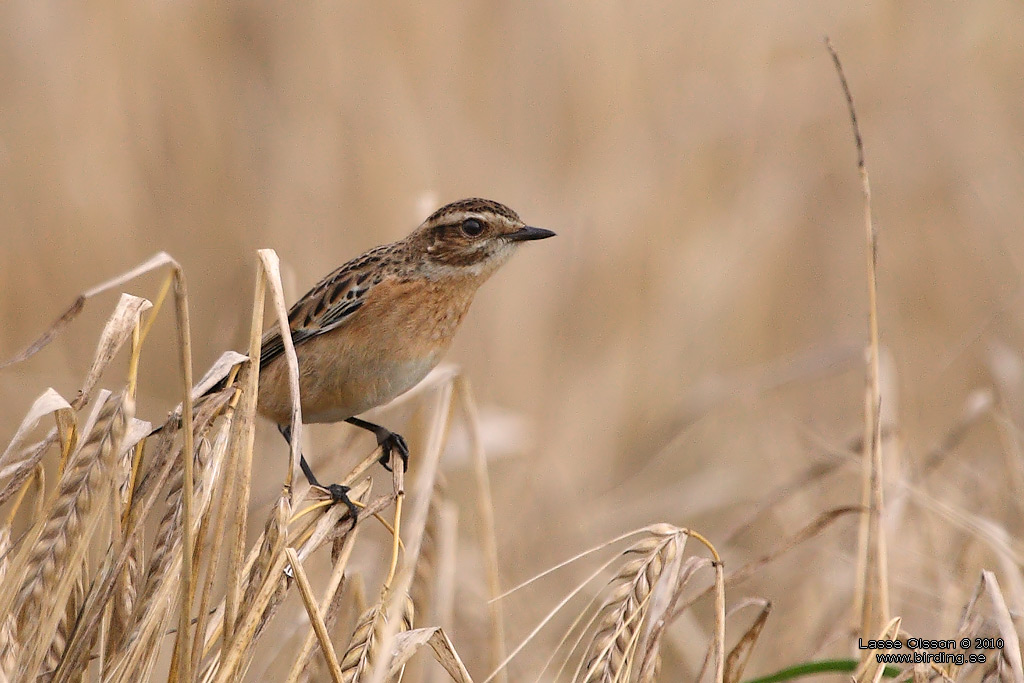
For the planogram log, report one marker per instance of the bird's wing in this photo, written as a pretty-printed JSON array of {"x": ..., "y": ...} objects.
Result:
[{"x": 330, "y": 304}]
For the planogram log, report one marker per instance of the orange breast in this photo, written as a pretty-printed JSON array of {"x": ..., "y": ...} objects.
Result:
[{"x": 386, "y": 348}]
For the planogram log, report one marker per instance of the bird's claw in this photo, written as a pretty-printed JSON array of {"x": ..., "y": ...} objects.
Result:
[
  {"x": 339, "y": 494},
  {"x": 389, "y": 443}
]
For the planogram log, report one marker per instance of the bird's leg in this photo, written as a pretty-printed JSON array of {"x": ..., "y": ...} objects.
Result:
[
  {"x": 388, "y": 442},
  {"x": 339, "y": 492}
]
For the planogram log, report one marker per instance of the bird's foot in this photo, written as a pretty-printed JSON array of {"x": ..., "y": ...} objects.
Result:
[
  {"x": 339, "y": 494},
  {"x": 387, "y": 440},
  {"x": 389, "y": 443}
]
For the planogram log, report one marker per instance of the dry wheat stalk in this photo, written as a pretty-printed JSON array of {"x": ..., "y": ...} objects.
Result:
[
  {"x": 66, "y": 624},
  {"x": 664, "y": 612},
  {"x": 64, "y": 532},
  {"x": 126, "y": 585},
  {"x": 151, "y": 610},
  {"x": 399, "y": 607},
  {"x": 328, "y": 527},
  {"x": 275, "y": 533},
  {"x": 362, "y": 649},
  {"x": 57, "y": 554},
  {"x": 341, "y": 551},
  {"x": 622, "y": 615},
  {"x": 161, "y": 565},
  {"x": 144, "y": 500},
  {"x": 124, "y": 597},
  {"x": 8, "y": 625},
  {"x": 265, "y": 588},
  {"x": 232, "y": 660},
  {"x": 65, "y": 513},
  {"x": 316, "y": 619},
  {"x": 872, "y": 592}
]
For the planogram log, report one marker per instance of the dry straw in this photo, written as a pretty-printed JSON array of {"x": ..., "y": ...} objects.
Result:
[
  {"x": 137, "y": 559},
  {"x": 872, "y": 596},
  {"x": 138, "y": 564},
  {"x": 82, "y": 588}
]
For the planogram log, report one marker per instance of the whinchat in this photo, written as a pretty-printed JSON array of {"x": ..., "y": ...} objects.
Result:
[{"x": 374, "y": 327}]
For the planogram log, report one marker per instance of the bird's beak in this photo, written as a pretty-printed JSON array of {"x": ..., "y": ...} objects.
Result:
[{"x": 528, "y": 233}]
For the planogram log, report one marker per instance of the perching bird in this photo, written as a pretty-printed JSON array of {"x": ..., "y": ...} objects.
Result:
[{"x": 373, "y": 328}]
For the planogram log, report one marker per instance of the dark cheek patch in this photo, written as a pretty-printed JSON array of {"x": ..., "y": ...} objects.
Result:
[{"x": 458, "y": 257}]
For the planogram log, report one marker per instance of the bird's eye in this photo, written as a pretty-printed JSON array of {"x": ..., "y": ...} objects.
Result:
[{"x": 471, "y": 227}]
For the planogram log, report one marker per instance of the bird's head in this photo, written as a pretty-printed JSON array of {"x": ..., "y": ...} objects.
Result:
[{"x": 471, "y": 237}]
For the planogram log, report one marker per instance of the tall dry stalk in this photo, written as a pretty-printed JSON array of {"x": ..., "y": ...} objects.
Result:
[{"x": 871, "y": 600}]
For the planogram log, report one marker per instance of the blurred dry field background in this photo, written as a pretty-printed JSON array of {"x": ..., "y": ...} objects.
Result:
[{"x": 687, "y": 350}]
